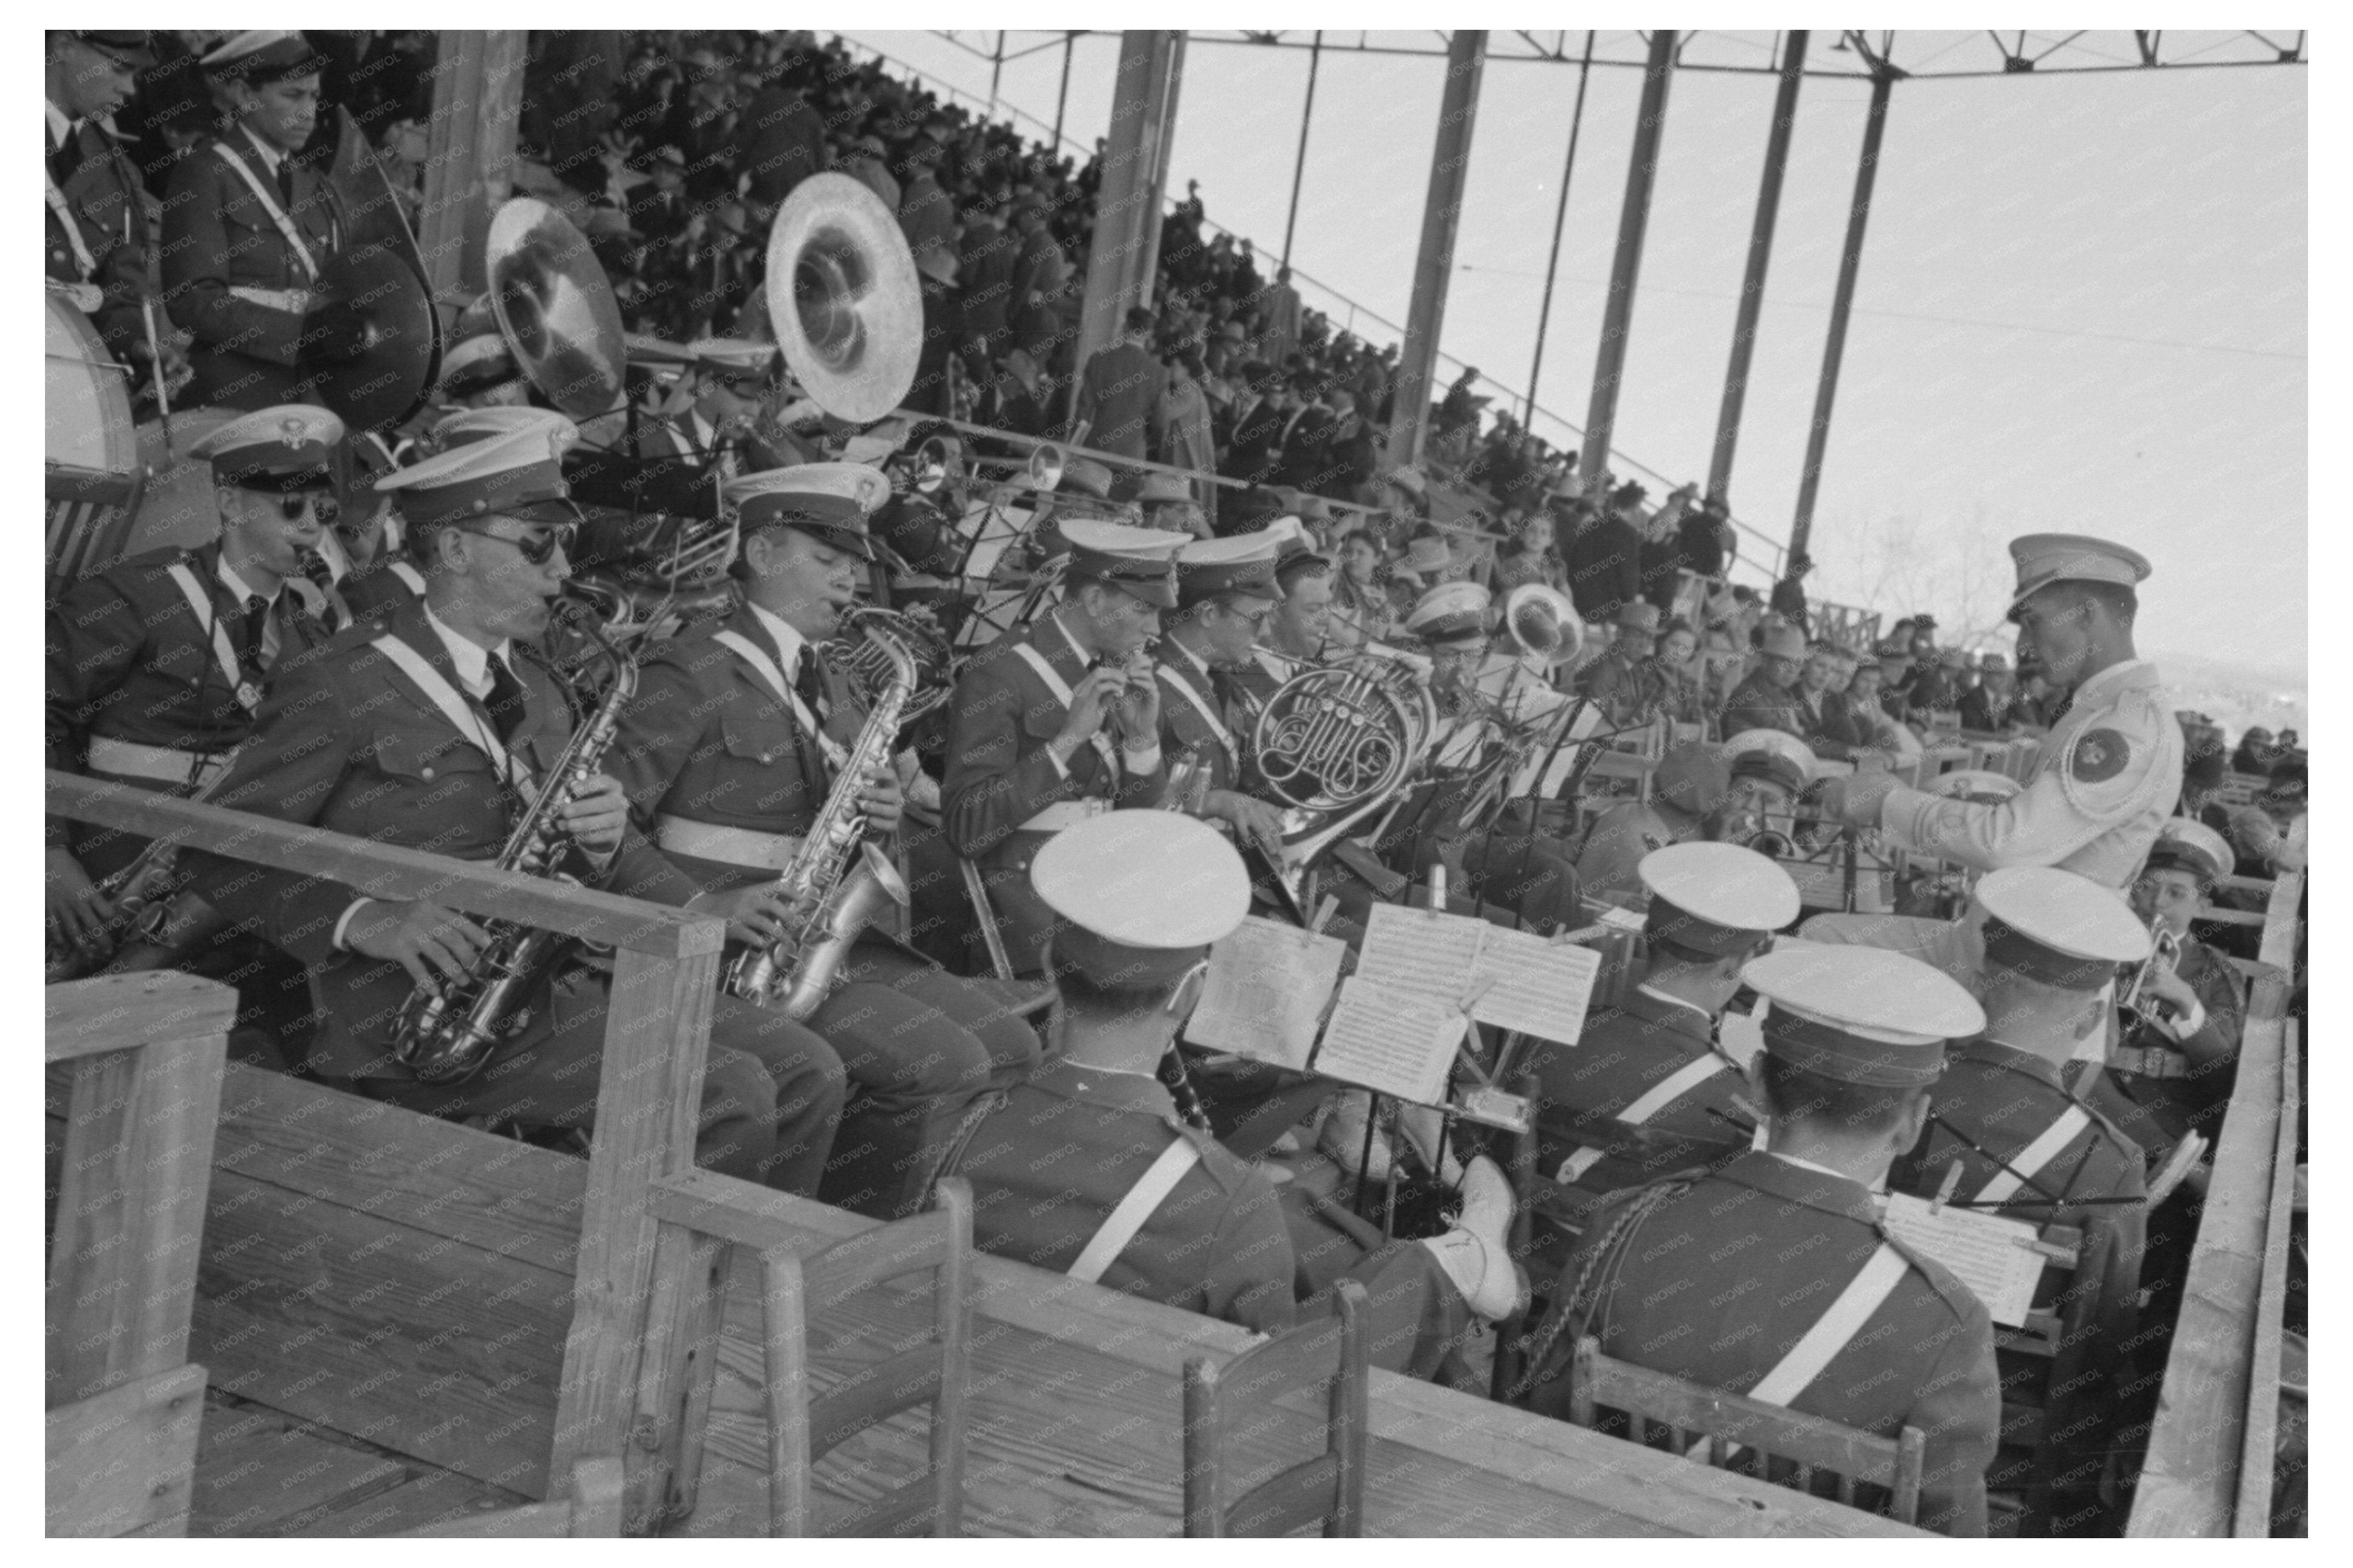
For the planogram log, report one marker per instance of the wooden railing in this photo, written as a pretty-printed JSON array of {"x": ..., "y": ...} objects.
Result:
[{"x": 2209, "y": 1469}]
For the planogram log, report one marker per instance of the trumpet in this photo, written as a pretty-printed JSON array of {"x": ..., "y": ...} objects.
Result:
[{"x": 2137, "y": 1004}]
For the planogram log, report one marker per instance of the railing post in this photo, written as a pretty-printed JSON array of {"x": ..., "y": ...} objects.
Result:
[{"x": 469, "y": 153}]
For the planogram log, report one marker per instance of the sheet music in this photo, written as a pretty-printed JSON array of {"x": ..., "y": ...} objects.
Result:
[
  {"x": 1390, "y": 1041},
  {"x": 1557, "y": 770},
  {"x": 1993, "y": 1256},
  {"x": 1421, "y": 952},
  {"x": 1265, "y": 991},
  {"x": 1540, "y": 987}
]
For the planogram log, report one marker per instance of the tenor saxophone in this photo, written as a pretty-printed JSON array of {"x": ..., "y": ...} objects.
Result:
[
  {"x": 837, "y": 881},
  {"x": 447, "y": 1035}
]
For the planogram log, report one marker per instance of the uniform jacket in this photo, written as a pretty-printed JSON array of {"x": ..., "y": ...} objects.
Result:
[
  {"x": 1718, "y": 1283},
  {"x": 1624, "y": 1053},
  {"x": 129, "y": 658},
  {"x": 102, "y": 191},
  {"x": 706, "y": 739},
  {"x": 2104, "y": 779},
  {"x": 2156, "y": 1112},
  {"x": 1184, "y": 728},
  {"x": 346, "y": 742},
  {"x": 217, "y": 236},
  {"x": 1758, "y": 704},
  {"x": 1629, "y": 691},
  {"x": 1613, "y": 850},
  {"x": 1981, "y": 711},
  {"x": 376, "y": 587}
]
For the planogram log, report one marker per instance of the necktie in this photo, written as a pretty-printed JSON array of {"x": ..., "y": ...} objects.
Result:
[
  {"x": 322, "y": 577},
  {"x": 506, "y": 702},
  {"x": 256, "y": 626},
  {"x": 810, "y": 684},
  {"x": 286, "y": 182},
  {"x": 65, "y": 156}
]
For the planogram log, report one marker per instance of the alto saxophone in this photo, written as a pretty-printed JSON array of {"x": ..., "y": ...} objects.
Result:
[
  {"x": 449, "y": 1034},
  {"x": 833, "y": 899}
]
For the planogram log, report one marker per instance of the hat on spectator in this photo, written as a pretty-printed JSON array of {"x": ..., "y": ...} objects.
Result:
[
  {"x": 1142, "y": 561},
  {"x": 2291, "y": 781},
  {"x": 1242, "y": 564},
  {"x": 1141, "y": 895},
  {"x": 1783, "y": 642},
  {"x": 2043, "y": 559},
  {"x": 1892, "y": 650},
  {"x": 1993, "y": 664},
  {"x": 1715, "y": 898},
  {"x": 126, "y": 49},
  {"x": 1086, "y": 477},
  {"x": 1639, "y": 615},
  {"x": 263, "y": 55},
  {"x": 2185, "y": 845},
  {"x": 282, "y": 449},
  {"x": 1950, "y": 658},
  {"x": 1426, "y": 554},
  {"x": 2057, "y": 927},
  {"x": 1772, "y": 755},
  {"x": 937, "y": 263},
  {"x": 830, "y": 500},
  {"x": 1860, "y": 1015},
  {"x": 1158, "y": 488},
  {"x": 519, "y": 475},
  {"x": 1450, "y": 612},
  {"x": 1693, "y": 778}
]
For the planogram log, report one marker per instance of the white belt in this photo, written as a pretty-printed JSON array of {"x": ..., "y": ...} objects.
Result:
[
  {"x": 1064, "y": 814},
  {"x": 294, "y": 300},
  {"x": 165, "y": 765},
  {"x": 735, "y": 845}
]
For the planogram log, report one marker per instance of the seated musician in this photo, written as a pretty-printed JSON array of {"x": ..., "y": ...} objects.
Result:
[
  {"x": 1773, "y": 1277},
  {"x": 1059, "y": 721},
  {"x": 733, "y": 746},
  {"x": 1770, "y": 770},
  {"x": 1361, "y": 611},
  {"x": 157, "y": 664},
  {"x": 1689, "y": 786},
  {"x": 371, "y": 571},
  {"x": 1767, "y": 698},
  {"x": 1089, "y": 1169},
  {"x": 1647, "y": 1091},
  {"x": 1299, "y": 634},
  {"x": 1625, "y": 682},
  {"x": 2028, "y": 1149},
  {"x": 2172, "y": 1073},
  {"x": 731, "y": 377},
  {"x": 435, "y": 729}
]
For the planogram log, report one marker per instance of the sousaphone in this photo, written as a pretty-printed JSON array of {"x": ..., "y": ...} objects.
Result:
[
  {"x": 556, "y": 308},
  {"x": 843, "y": 295}
]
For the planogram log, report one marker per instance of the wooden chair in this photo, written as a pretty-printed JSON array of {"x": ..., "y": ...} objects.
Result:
[
  {"x": 1326, "y": 1356},
  {"x": 1688, "y": 1411},
  {"x": 592, "y": 1509}
]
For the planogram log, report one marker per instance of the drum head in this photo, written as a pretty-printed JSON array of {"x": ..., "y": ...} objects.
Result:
[
  {"x": 387, "y": 384},
  {"x": 89, "y": 443}
]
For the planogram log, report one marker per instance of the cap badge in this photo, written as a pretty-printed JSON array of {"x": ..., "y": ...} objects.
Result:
[{"x": 290, "y": 430}]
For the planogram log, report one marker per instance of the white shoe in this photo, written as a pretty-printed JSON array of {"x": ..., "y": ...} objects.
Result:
[
  {"x": 1425, "y": 1128},
  {"x": 1343, "y": 1136},
  {"x": 1475, "y": 1254}
]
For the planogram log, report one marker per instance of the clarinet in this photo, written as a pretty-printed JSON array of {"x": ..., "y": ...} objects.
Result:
[{"x": 1174, "y": 1077}]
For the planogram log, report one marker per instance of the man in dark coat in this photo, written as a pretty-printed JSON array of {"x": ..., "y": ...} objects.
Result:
[
  {"x": 1605, "y": 559},
  {"x": 95, "y": 233},
  {"x": 1119, "y": 405}
]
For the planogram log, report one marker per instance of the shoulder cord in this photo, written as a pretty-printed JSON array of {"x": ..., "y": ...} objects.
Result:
[{"x": 1592, "y": 1281}]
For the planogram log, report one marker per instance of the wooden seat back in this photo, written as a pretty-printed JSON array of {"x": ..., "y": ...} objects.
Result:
[
  {"x": 1724, "y": 1425},
  {"x": 593, "y": 1509},
  {"x": 1325, "y": 1357}
]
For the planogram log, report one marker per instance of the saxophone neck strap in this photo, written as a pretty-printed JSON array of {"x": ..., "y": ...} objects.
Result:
[
  {"x": 772, "y": 675},
  {"x": 463, "y": 716}
]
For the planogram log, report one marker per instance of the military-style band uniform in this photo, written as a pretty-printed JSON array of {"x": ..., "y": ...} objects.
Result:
[
  {"x": 1202, "y": 714},
  {"x": 726, "y": 778},
  {"x": 246, "y": 232},
  {"x": 94, "y": 221},
  {"x": 1006, "y": 795}
]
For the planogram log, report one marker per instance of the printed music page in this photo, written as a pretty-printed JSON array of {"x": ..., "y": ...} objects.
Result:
[
  {"x": 1391, "y": 1042},
  {"x": 1265, "y": 991},
  {"x": 1993, "y": 1256},
  {"x": 1540, "y": 987},
  {"x": 1420, "y": 952}
]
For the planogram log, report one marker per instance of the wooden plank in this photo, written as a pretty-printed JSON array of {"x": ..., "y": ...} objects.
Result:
[
  {"x": 83, "y": 1017},
  {"x": 122, "y": 1463},
  {"x": 430, "y": 1497},
  {"x": 268, "y": 1475},
  {"x": 657, "y": 1041},
  {"x": 388, "y": 871},
  {"x": 2253, "y": 1515},
  {"x": 122, "y": 1265}
]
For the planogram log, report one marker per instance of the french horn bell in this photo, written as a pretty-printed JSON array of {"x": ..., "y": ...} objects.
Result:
[{"x": 843, "y": 298}]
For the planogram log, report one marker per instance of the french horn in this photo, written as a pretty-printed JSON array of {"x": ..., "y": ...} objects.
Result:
[
  {"x": 843, "y": 298},
  {"x": 869, "y": 665}
]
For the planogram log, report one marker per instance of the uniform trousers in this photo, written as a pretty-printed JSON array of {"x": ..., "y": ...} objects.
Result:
[{"x": 1418, "y": 1321}]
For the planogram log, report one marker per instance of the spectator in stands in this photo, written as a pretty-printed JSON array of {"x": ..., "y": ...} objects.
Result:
[
  {"x": 1861, "y": 704},
  {"x": 1937, "y": 689},
  {"x": 927, "y": 215},
  {"x": 1604, "y": 557},
  {"x": 2034, "y": 703},
  {"x": 1187, "y": 440},
  {"x": 1041, "y": 273},
  {"x": 985, "y": 255},
  {"x": 1827, "y": 728},
  {"x": 1986, "y": 706},
  {"x": 1168, "y": 503},
  {"x": 1121, "y": 407},
  {"x": 1253, "y": 436},
  {"x": 1768, "y": 699},
  {"x": 780, "y": 142},
  {"x": 1680, "y": 698},
  {"x": 1360, "y": 612},
  {"x": 1789, "y": 593},
  {"x": 1663, "y": 558},
  {"x": 1303, "y": 459},
  {"x": 1708, "y": 538},
  {"x": 2205, "y": 767},
  {"x": 1626, "y": 683},
  {"x": 1279, "y": 315},
  {"x": 2256, "y": 752}
]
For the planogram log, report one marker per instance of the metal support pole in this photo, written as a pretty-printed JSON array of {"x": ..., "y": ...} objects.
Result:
[
  {"x": 1062, "y": 97},
  {"x": 1559, "y": 219},
  {"x": 1126, "y": 251},
  {"x": 1752, "y": 282},
  {"x": 995, "y": 69},
  {"x": 1849, "y": 261},
  {"x": 469, "y": 155},
  {"x": 1441, "y": 214},
  {"x": 1299, "y": 166},
  {"x": 1633, "y": 219}
]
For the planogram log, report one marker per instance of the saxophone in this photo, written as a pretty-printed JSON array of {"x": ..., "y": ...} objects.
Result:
[
  {"x": 449, "y": 1034},
  {"x": 833, "y": 899}
]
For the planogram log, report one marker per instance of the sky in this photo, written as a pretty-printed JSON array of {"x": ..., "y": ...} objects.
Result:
[{"x": 2081, "y": 305}]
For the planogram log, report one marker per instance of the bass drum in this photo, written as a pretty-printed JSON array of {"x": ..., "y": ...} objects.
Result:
[{"x": 90, "y": 450}]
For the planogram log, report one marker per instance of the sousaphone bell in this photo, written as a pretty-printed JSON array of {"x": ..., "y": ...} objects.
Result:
[
  {"x": 556, "y": 308},
  {"x": 843, "y": 298}
]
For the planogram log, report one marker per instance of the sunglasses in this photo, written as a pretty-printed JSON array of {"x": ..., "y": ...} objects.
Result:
[
  {"x": 292, "y": 504},
  {"x": 540, "y": 548}
]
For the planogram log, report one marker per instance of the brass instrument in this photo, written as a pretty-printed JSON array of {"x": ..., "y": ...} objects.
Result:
[
  {"x": 447, "y": 1035},
  {"x": 1335, "y": 744},
  {"x": 387, "y": 381},
  {"x": 556, "y": 309},
  {"x": 867, "y": 663},
  {"x": 833, "y": 899},
  {"x": 140, "y": 892},
  {"x": 843, "y": 298},
  {"x": 1543, "y": 624},
  {"x": 2135, "y": 1006}
]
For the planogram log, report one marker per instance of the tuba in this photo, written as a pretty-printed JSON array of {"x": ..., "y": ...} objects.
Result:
[
  {"x": 870, "y": 663},
  {"x": 843, "y": 295},
  {"x": 1543, "y": 625},
  {"x": 556, "y": 309},
  {"x": 1335, "y": 744}
]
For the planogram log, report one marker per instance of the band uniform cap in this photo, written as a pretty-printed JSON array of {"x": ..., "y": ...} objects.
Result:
[
  {"x": 1451, "y": 611},
  {"x": 738, "y": 354},
  {"x": 828, "y": 499},
  {"x": 1142, "y": 561},
  {"x": 2043, "y": 559},
  {"x": 288, "y": 447},
  {"x": 1774, "y": 755},
  {"x": 1784, "y": 642},
  {"x": 1086, "y": 477},
  {"x": 1640, "y": 614},
  {"x": 1143, "y": 893},
  {"x": 1716, "y": 897},
  {"x": 1860, "y": 1015},
  {"x": 2058, "y": 928},
  {"x": 1243, "y": 563},
  {"x": 1693, "y": 777},
  {"x": 132, "y": 49},
  {"x": 469, "y": 426},
  {"x": 2184, "y": 843},
  {"x": 477, "y": 363},
  {"x": 263, "y": 55},
  {"x": 1982, "y": 785},
  {"x": 1161, "y": 488},
  {"x": 519, "y": 474}
]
